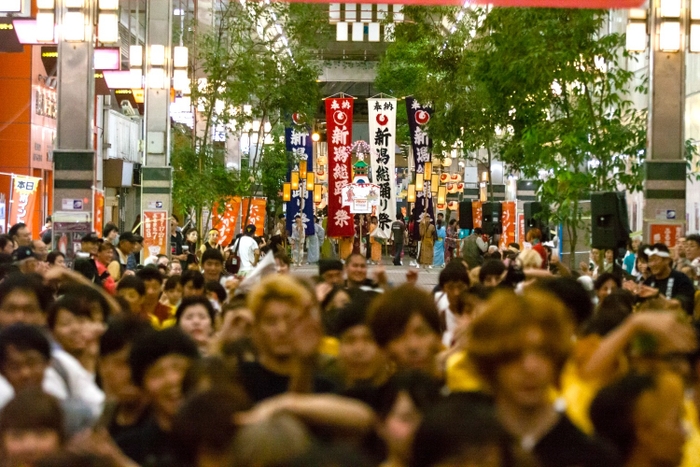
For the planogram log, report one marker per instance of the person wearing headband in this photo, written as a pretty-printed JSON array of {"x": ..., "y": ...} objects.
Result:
[
  {"x": 667, "y": 281},
  {"x": 212, "y": 243}
]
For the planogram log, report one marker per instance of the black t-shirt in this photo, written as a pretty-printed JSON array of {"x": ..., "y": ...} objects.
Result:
[
  {"x": 682, "y": 288},
  {"x": 147, "y": 444},
  {"x": 567, "y": 446},
  {"x": 397, "y": 229},
  {"x": 176, "y": 241},
  {"x": 261, "y": 383}
]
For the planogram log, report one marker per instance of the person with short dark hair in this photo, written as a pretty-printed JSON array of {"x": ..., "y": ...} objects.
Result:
[
  {"x": 110, "y": 232},
  {"x": 605, "y": 284},
  {"x": 133, "y": 290},
  {"x": 70, "y": 321},
  {"x": 195, "y": 316},
  {"x": 216, "y": 293},
  {"x": 212, "y": 265},
  {"x": 172, "y": 290},
  {"x": 473, "y": 248},
  {"x": 7, "y": 245},
  {"x": 56, "y": 258},
  {"x": 192, "y": 283},
  {"x": 283, "y": 263},
  {"x": 356, "y": 274},
  {"x": 247, "y": 250},
  {"x": 176, "y": 239},
  {"x": 492, "y": 272},
  {"x": 452, "y": 282},
  {"x": 125, "y": 246},
  {"x": 25, "y": 260},
  {"x": 46, "y": 234},
  {"x": 666, "y": 281},
  {"x": 25, "y": 353},
  {"x": 406, "y": 324},
  {"x": 21, "y": 235},
  {"x": 132, "y": 261},
  {"x": 159, "y": 314},
  {"x": 331, "y": 271},
  {"x": 23, "y": 298},
  {"x": 159, "y": 361}
]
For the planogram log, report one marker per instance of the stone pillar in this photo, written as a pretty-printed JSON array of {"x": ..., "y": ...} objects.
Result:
[
  {"x": 74, "y": 156},
  {"x": 156, "y": 180},
  {"x": 665, "y": 185}
]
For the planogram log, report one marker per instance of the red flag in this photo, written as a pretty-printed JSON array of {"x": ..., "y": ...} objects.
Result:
[
  {"x": 225, "y": 222},
  {"x": 339, "y": 128},
  {"x": 256, "y": 215}
]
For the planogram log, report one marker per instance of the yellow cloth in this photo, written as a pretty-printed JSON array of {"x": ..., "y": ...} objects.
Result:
[
  {"x": 168, "y": 322},
  {"x": 691, "y": 450},
  {"x": 461, "y": 375},
  {"x": 329, "y": 346}
]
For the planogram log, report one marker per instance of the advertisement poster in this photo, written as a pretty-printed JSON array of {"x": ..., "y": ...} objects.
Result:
[
  {"x": 67, "y": 237},
  {"x": 154, "y": 225},
  {"x": 665, "y": 233},
  {"x": 361, "y": 198},
  {"x": 24, "y": 190}
]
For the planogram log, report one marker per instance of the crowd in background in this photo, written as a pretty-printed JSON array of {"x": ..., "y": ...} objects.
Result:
[{"x": 220, "y": 357}]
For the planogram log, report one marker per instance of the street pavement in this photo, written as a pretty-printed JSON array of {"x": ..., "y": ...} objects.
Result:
[{"x": 427, "y": 278}]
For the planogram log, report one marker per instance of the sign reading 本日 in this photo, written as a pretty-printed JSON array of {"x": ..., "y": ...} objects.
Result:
[
  {"x": 382, "y": 136},
  {"x": 24, "y": 190},
  {"x": 339, "y": 130}
]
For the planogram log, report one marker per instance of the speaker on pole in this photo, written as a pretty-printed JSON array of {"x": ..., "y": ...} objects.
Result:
[
  {"x": 609, "y": 222},
  {"x": 491, "y": 221},
  {"x": 466, "y": 217}
]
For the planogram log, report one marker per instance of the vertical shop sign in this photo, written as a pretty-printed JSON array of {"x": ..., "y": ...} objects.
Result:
[
  {"x": 154, "y": 228},
  {"x": 339, "y": 128}
]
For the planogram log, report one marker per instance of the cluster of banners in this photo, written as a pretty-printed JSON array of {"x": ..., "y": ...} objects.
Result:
[
  {"x": 239, "y": 212},
  {"x": 339, "y": 130},
  {"x": 24, "y": 194},
  {"x": 298, "y": 141}
]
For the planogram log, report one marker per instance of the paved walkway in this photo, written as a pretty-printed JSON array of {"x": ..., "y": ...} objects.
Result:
[{"x": 427, "y": 278}]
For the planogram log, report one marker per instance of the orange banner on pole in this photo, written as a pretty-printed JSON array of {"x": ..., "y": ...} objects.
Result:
[
  {"x": 225, "y": 222},
  {"x": 154, "y": 226},
  {"x": 521, "y": 229},
  {"x": 508, "y": 221},
  {"x": 256, "y": 215},
  {"x": 98, "y": 215},
  {"x": 477, "y": 216},
  {"x": 24, "y": 190}
]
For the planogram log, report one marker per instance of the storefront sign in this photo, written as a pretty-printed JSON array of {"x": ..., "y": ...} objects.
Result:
[
  {"x": 155, "y": 224},
  {"x": 24, "y": 190},
  {"x": 666, "y": 233}
]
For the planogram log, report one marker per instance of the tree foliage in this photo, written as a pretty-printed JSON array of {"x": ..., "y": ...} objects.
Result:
[{"x": 544, "y": 89}]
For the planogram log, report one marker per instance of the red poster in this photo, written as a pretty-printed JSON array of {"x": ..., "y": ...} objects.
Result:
[
  {"x": 154, "y": 226},
  {"x": 603, "y": 4},
  {"x": 476, "y": 214},
  {"x": 521, "y": 229},
  {"x": 256, "y": 214},
  {"x": 24, "y": 190},
  {"x": 98, "y": 215},
  {"x": 225, "y": 222},
  {"x": 667, "y": 234},
  {"x": 339, "y": 128},
  {"x": 508, "y": 221}
]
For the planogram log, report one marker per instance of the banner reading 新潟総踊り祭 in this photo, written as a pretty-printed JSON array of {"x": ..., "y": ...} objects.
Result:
[
  {"x": 382, "y": 140},
  {"x": 422, "y": 145},
  {"x": 339, "y": 135},
  {"x": 298, "y": 139}
]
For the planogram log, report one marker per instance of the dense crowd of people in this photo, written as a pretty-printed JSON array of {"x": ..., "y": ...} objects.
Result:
[{"x": 513, "y": 359}]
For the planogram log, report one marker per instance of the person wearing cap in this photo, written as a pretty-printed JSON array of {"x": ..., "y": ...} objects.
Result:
[
  {"x": 666, "y": 281},
  {"x": 331, "y": 271},
  {"x": 126, "y": 245},
  {"x": 247, "y": 250},
  {"x": 85, "y": 259},
  {"x": 25, "y": 260}
]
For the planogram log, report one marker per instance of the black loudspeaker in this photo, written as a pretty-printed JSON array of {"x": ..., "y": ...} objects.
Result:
[
  {"x": 491, "y": 218},
  {"x": 533, "y": 219},
  {"x": 466, "y": 218},
  {"x": 609, "y": 222}
]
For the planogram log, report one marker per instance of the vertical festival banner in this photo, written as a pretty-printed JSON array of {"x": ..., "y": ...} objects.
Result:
[
  {"x": 99, "y": 209},
  {"x": 508, "y": 221},
  {"x": 225, "y": 220},
  {"x": 154, "y": 226},
  {"x": 24, "y": 190},
  {"x": 339, "y": 128},
  {"x": 477, "y": 214},
  {"x": 298, "y": 140},
  {"x": 256, "y": 214},
  {"x": 382, "y": 137},
  {"x": 418, "y": 117}
]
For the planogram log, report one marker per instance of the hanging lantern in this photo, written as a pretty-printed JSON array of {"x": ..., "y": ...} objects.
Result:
[
  {"x": 411, "y": 197},
  {"x": 302, "y": 169},
  {"x": 444, "y": 178},
  {"x": 295, "y": 180},
  {"x": 453, "y": 205},
  {"x": 286, "y": 192},
  {"x": 419, "y": 182},
  {"x": 446, "y": 162},
  {"x": 318, "y": 194},
  {"x": 455, "y": 178},
  {"x": 460, "y": 187},
  {"x": 434, "y": 182},
  {"x": 310, "y": 180},
  {"x": 442, "y": 193},
  {"x": 428, "y": 169}
]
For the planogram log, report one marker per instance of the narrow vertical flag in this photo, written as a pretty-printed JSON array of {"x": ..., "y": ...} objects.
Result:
[
  {"x": 339, "y": 128},
  {"x": 298, "y": 139},
  {"x": 382, "y": 137},
  {"x": 422, "y": 145},
  {"x": 24, "y": 190}
]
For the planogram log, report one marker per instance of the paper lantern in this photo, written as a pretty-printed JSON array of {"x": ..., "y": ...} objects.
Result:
[
  {"x": 453, "y": 205},
  {"x": 455, "y": 178},
  {"x": 419, "y": 182},
  {"x": 460, "y": 187},
  {"x": 302, "y": 169},
  {"x": 451, "y": 187},
  {"x": 321, "y": 160},
  {"x": 446, "y": 162},
  {"x": 411, "y": 197},
  {"x": 287, "y": 192},
  {"x": 444, "y": 178}
]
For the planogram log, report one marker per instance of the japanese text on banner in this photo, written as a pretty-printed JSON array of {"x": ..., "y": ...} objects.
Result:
[
  {"x": 508, "y": 221},
  {"x": 24, "y": 191},
  {"x": 155, "y": 224},
  {"x": 382, "y": 131},
  {"x": 339, "y": 127},
  {"x": 224, "y": 220},
  {"x": 422, "y": 145},
  {"x": 298, "y": 140}
]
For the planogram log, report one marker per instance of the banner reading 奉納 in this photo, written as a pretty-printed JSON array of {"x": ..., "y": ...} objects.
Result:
[
  {"x": 298, "y": 140},
  {"x": 24, "y": 190},
  {"x": 418, "y": 117},
  {"x": 382, "y": 141},
  {"x": 339, "y": 131}
]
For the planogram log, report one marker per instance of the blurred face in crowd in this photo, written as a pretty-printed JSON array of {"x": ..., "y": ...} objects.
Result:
[
  {"x": 133, "y": 298},
  {"x": 492, "y": 280},
  {"x": 692, "y": 249},
  {"x": 595, "y": 254},
  {"x": 334, "y": 277},
  {"x": 192, "y": 236},
  {"x": 173, "y": 226},
  {"x": 112, "y": 236},
  {"x": 41, "y": 250},
  {"x": 356, "y": 269},
  {"x": 24, "y": 368},
  {"x": 608, "y": 256},
  {"x": 453, "y": 290},
  {"x": 213, "y": 237},
  {"x": 659, "y": 266},
  {"x": 163, "y": 261},
  {"x": 27, "y": 446},
  {"x": 60, "y": 261},
  {"x": 90, "y": 247},
  {"x": 127, "y": 247},
  {"x": 400, "y": 426},
  {"x": 115, "y": 374},
  {"x": 642, "y": 266},
  {"x": 273, "y": 327},
  {"x": 175, "y": 268},
  {"x": 525, "y": 379},
  {"x": 21, "y": 306},
  {"x": 189, "y": 290},
  {"x": 105, "y": 255},
  {"x": 196, "y": 322},
  {"x": 71, "y": 331},
  {"x": 28, "y": 266},
  {"x": 236, "y": 324},
  {"x": 417, "y": 347},
  {"x": 281, "y": 267},
  {"x": 359, "y": 353},
  {"x": 163, "y": 383},
  {"x": 24, "y": 237},
  {"x": 212, "y": 269},
  {"x": 606, "y": 289},
  {"x": 153, "y": 289},
  {"x": 174, "y": 295}
]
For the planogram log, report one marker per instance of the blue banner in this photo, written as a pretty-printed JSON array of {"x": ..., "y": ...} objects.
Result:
[
  {"x": 418, "y": 117},
  {"x": 299, "y": 144}
]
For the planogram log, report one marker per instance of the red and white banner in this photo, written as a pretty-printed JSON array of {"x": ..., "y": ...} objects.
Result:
[
  {"x": 382, "y": 141},
  {"x": 256, "y": 214},
  {"x": 477, "y": 215},
  {"x": 154, "y": 226},
  {"x": 508, "y": 221},
  {"x": 667, "y": 233},
  {"x": 99, "y": 210},
  {"x": 225, "y": 221},
  {"x": 339, "y": 130},
  {"x": 24, "y": 191}
]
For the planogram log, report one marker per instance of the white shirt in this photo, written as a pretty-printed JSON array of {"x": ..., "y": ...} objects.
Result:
[{"x": 246, "y": 251}]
